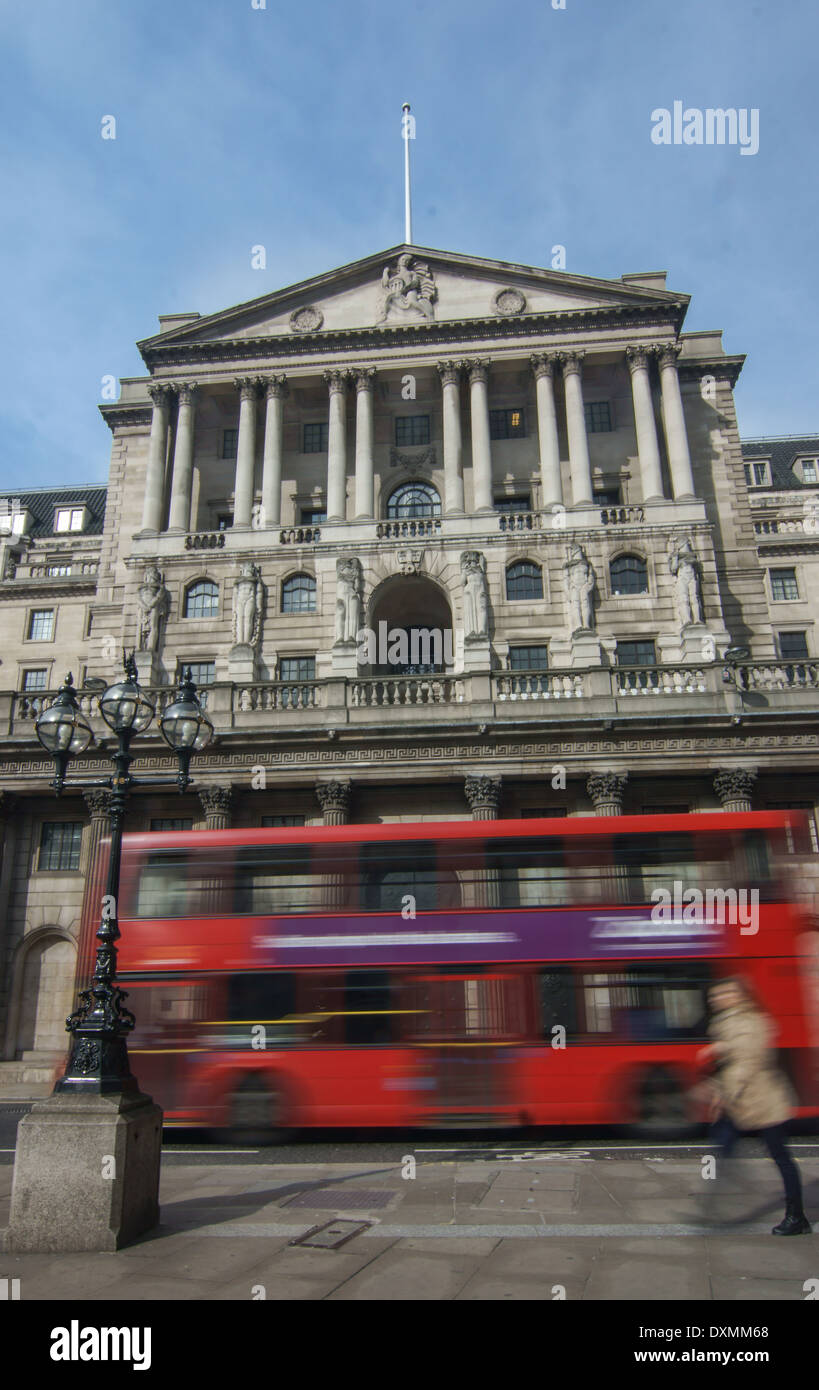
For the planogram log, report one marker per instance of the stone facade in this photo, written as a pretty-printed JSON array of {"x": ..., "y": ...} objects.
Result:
[{"x": 443, "y": 537}]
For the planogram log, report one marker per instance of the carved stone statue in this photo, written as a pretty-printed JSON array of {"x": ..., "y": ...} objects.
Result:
[
  {"x": 154, "y": 602},
  {"x": 683, "y": 564},
  {"x": 407, "y": 290},
  {"x": 476, "y": 597},
  {"x": 248, "y": 603},
  {"x": 349, "y": 590},
  {"x": 580, "y": 583}
]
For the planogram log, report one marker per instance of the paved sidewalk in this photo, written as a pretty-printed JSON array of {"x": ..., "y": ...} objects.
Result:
[{"x": 542, "y": 1229}]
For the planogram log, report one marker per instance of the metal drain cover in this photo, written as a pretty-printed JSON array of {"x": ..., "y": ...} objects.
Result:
[
  {"x": 332, "y": 1234},
  {"x": 344, "y": 1199}
]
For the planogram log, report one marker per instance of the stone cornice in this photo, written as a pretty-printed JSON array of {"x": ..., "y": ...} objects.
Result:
[
  {"x": 117, "y": 416},
  {"x": 729, "y": 367},
  {"x": 388, "y": 336}
]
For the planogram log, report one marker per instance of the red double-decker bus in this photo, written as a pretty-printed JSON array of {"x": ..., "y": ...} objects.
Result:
[{"x": 546, "y": 972}]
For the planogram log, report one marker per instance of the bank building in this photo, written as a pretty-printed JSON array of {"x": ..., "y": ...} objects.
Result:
[{"x": 440, "y": 537}]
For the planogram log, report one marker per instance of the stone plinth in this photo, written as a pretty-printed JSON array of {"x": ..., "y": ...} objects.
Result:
[
  {"x": 243, "y": 664},
  {"x": 149, "y": 670},
  {"x": 86, "y": 1173},
  {"x": 345, "y": 659},
  {"x": 476, "y": 654},
  {"x": 585, "y": 648}
]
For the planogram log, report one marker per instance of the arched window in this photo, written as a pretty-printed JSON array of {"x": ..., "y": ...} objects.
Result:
[
  {"x": 299, "y": 594},
  {"x": 202, "y": 599},
  {"x": 524, "y": 580},
  {"x": 413, "y": 500},
  {"x": 629, "y": 575}
]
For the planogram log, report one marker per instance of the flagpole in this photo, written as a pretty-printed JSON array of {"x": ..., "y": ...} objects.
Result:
[{"x": 406, "y": 126}]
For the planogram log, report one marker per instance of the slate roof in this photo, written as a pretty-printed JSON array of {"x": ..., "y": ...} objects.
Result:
[
  {"x": 41, "y": 502},
  {"x": 782, "y": 452}
]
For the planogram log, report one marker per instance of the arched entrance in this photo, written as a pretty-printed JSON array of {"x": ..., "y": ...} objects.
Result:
[
  {"x": 411, "y": 622},
  {"x": 42, "y": 995}
]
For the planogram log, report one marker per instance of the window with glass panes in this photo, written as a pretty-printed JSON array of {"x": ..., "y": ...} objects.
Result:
[
  {"x": 598, "y": 416},
  {"x": 606, "y": 496},
  {"x": 316, "y": 438},
  {"x": 413, "y": 500},
  {"x": 524, "y": 580},
  {"x": 297, "y": 668},
  {"x": 312, "y": 516},
  {"x": 202, "y": 600},
  {"x": 172, "y": 823},
  {"x": 793, "y": 646},
  {"x": 299, "y": 594},
  {"x": 636, "y": 654},
  {"x": 230, "y": 443},
  {"x": 507, "y": 423},
  {"x": 224, "y": 521},
  {"x": 270, "y": 822},
  {"x": 35, "y": 679},
  {"x": 58, "y": 571},
  {"x": 629, "y": 575},
  {"x": 528, "y": 658},
  {"x": 411, "y": 429},
  {"x": 757, "y": 474},
  {"x": 41, "y": 625},
  {"x": 783, "y": 584},
  {"x": 69, "y": 519},
  {"x": 202, "y": 672},
  {"x": 810, "y": 470},
  {"x": 799, "y": 841},
  {"x": 60, "y": 844},
  {"x": 521, "y": 503}
]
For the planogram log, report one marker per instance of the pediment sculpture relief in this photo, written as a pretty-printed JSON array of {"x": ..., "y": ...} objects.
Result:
[{"x": 408, "y": 291}]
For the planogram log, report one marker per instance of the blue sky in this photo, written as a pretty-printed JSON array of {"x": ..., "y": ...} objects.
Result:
[{"x": 281, "y": 126}]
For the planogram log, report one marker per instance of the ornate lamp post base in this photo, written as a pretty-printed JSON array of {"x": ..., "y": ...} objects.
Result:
[{"x": 86, "y": 1173}]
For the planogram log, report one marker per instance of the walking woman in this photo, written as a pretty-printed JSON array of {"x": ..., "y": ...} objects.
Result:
[{"x": 751, "y": 1094}]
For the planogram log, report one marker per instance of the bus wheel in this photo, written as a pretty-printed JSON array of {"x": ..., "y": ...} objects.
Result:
[
  {"x": 662, "y": 1109},
  {"x": 254, "y": 1114}
]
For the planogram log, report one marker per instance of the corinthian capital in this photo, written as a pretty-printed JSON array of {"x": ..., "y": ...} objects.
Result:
[
  {"x": 573, "y": 363},
  {"x": 483, "y": 795},
  {"x": 364, "y": 378},
  {"x": 477, "y": 368},
  {"x": 638, "y": 356},
  {"x": 186, "y": 390},
  {"x": 248, "y": 387},
  {"x": 450, "y": 373},
  {"x": 158, "y": 392},
  {"x": 544, "y": 363},
  {"x": 668, "y": 353},
  {"x": 336, "y": 380},
  {"x": 606, "y": 790},
  {"x": 274, "y": 386}
]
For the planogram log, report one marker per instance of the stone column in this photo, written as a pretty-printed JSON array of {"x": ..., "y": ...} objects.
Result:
[
  {"x": 275, "y": 388},
  {"x": 9, "y": 827},
  {"x": 648, "y": 447},
  {"x": 579, "y": 461},
  {"x": 334, "y": 800},
  {"x": 337, "y": 447},
  {"x": 180, "y": 513},
  {"x": 735, "y": 788},
  {"x": 98, "y": 801},
  {"x": 245, "y": 453},
  {"x": 154, "y": 502},
  {"x": 606, "y": 790},
  {"x": 483, "y": 795},
  {"x": 364, "y": 492},
  {"x": 450, "y": 373},
  {"x": 679, "y": 458},
  {"x": 543, "y": 366},
  {"x": 217, "y": 806},
  {"x": 481, "y": 446}
]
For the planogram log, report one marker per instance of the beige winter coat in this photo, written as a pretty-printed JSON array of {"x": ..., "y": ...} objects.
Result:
[{"x": 752, "y": 1090}]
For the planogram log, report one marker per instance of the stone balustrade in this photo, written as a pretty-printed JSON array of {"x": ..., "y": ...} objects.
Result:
[
  {"x": 658, "y": 680},
  {"x": 539, "y": 685},
  {"x": 391, "y": 691},
  {"x": 408, "y": 529}
]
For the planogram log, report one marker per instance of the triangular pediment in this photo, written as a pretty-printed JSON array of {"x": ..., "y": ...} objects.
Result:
[{"x": 410, "y": 286}]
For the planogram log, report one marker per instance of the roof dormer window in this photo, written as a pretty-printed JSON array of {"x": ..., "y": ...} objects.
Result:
[
  {"x": 758, "y": 474},
  {"x": 15, "y": 519},
  {"x": 807, "y": 470},
  {"x": 67, "y": 519}
]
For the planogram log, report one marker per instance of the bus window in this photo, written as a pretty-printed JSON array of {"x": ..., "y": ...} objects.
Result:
[
  {"x": 513, "y": 873},
  {"x": 392, "y": 872},
  {"x": 162, "y": 889},
  {"x": 368, "y": 1007},
  {"x": 273, "y": 880},
  {"x": 647, "y": 1003},
  {"x": 265, "y": 999},
  {"x": 556, "y": 990},
  {"x": 645, "y": 863}
]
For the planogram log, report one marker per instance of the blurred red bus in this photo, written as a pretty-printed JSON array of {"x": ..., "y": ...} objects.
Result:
[{"x": 547, "y": 972}]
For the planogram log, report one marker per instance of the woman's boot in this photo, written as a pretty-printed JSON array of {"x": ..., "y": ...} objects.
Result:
[{"x": 795, "y": 1222}]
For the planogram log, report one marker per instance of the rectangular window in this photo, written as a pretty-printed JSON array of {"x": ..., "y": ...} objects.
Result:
[
  {"x": 57, "y": 571},
  {"x": 312, "y": 516},
  {"x": 171, "y": 823},
  {"x": 542, "y": 813},
  {"x": 35, "y": 679},
  {"x": 757, "y": 474},
  {"x": 224, "y": 521},
  {"x": 507, "y": 424},
  {"x": 810, "y": 470},
  {"x": 598, "y": 417},
  {"x": 665, "y": 808},
  {"x": 528, "y": 658},
  {"x": 798, "y": 842},
  {"x": 297, "y": 668},
  {"x": 606, "y": 496},
  {"x": 783, "y": 584},
  {"x": 316, "y": 438},
  {"x": 664, "y": 1002},
  {"x": 521, "y": 503},
  {"x": 369, "y": 1013},
  {"x": 60, "y": 843},
  {"x": 274, "y": 822},
  {"x": 202, "y": 672},
  {"x": 411, "y": 429},
  {"x": 230, "y": 443},
  {"x": 69, "y": 519},
  {"x": 41, "y": 625},
  {"x": 793, "y": 646},
  {"x": 636, "y": 654}
]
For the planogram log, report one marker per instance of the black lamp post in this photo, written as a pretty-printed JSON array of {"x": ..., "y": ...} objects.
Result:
[{"x": 99, "y": 1055}]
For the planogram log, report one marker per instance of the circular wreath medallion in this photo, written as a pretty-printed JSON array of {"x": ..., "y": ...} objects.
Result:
[
  {"x": 509, "y": 302},
  {"x": 306, "y": 320}
]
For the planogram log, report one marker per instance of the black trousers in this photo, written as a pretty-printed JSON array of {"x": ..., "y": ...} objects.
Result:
[{"x": 774, "y": 1137}]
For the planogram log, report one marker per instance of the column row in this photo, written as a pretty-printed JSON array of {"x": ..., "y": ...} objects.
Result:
[{"x": 544, "y": 366}]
